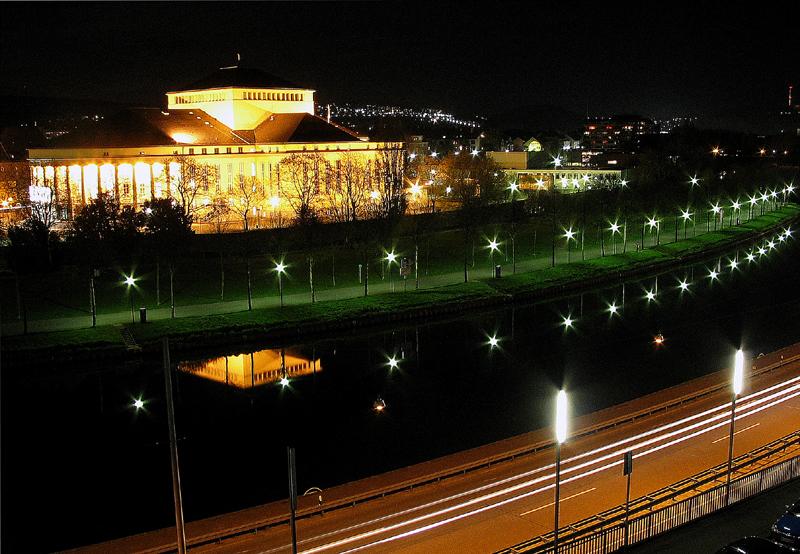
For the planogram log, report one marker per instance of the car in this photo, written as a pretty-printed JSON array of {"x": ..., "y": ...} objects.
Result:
[
  {"x": 787, "y": 529},
  {"x": 755, "y": 545}
]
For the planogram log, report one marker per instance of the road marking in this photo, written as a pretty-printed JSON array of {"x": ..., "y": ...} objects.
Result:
[
  {"x": 560, "y": 501},
  {"x": 736, "y": 433}
]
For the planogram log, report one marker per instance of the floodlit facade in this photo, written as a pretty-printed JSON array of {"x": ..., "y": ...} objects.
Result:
[{"x": 222, "y": 142}]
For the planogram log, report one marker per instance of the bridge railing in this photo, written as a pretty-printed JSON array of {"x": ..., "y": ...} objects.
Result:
[{"x": 607, "y": 534}]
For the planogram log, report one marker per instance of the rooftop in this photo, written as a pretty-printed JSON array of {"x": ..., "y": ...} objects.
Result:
[{"x": 235, "y": 76}]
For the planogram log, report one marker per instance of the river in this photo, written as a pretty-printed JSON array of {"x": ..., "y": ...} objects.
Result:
[{"x": 81, "y": 464}]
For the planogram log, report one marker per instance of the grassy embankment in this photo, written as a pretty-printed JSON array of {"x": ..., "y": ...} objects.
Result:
[{"x": 393, "y": 306}]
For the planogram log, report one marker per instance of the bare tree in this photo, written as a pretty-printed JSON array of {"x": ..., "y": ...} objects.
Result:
[
  {"x": 346, "y": 193},
  {"x": 189, "y": 181},
  {"x": 248, "y": 194},
  {"x": 305, "y": 177}
]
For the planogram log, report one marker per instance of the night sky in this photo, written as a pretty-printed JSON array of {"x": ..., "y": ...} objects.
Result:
[{"x": 671, "y": 60}]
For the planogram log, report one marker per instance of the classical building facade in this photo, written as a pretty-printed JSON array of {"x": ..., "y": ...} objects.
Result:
[{"x": 222, "y": 141}]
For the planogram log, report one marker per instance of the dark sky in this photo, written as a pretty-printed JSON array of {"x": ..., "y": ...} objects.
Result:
[{"x": 655, "y": 58}]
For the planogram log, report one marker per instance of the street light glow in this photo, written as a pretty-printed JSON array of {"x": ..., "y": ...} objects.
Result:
[
  {"x": 284, "y": 382},
  {"x": 280, "y": 267},
  {"x": 129, "y": 280},
  {"x": 650, "y": 296},
  {"x": 694, "y": 180},
  {"x": 613, "y": 308},
  {"x": 391, "y": 257},
  {"x": 493, "y": 341},
  {"x": 614, "y": 228},
  {"x": 738, "y": 372},
  {"x": 569, "y": 234},
  {"x": 750, "y": 257},
  {"x": 393, "y": 363},
  {"x": 568, "y": 321},
  {"x": 493, "y": 245},
  {"x": 686, "y": 214},
  {"x": 713, "y": 274},
  {"x": 652, "y": 222},
  {"x": 557, "y": 161},
  {"x": 561, "y": 417},
  {"x": 684, "y": 285},
  {"x": 734, "y": 264},
  {"x": 138, "y": 404},
  {"x": 715, "y": 208}
]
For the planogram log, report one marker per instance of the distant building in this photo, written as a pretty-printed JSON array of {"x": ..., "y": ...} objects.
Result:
[
  {"x": 236, "y": 124},
  {"x": 618, "y": 131},
  {"x": 509, "y": 160}
]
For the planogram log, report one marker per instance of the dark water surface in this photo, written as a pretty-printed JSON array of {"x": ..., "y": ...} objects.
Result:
[{"x": 81, "y": 465}]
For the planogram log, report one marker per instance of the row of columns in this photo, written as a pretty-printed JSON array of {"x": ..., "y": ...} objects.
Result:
[{"x": 75, "y": 185}]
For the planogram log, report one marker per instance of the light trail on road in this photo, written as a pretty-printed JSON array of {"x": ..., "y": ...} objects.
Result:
[{"x": 751, "y": 404}]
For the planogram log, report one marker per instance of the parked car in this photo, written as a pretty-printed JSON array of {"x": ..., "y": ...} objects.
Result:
[
  {"x": 755, "y": 545},
  {"x": 787, "y": 529}
]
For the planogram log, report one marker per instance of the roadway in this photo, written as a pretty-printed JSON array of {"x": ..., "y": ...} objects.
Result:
[{"x": 500, "y": 505}]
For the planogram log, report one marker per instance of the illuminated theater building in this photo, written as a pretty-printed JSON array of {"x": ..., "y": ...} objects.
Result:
[{"x": 236, "y": 123}]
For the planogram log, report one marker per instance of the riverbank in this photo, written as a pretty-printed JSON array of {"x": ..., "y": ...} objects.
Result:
[{"x": 344, "y": 315}]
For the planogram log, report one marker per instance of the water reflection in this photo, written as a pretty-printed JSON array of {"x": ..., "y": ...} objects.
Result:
[{"x": 256, "y": 369}]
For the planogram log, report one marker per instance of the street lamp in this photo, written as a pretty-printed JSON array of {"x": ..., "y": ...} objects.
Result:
[
  {"x": 131, "y": 282},
  {"x": 686, "y": 215},
  {"x": 654, "y": 223},
  {"x": 493, "y": 246},
  {"x": 738, "y": 378},
  {"x": 569, "y": 234},
  {"x": 614, "y": 230},
  {"x": 280, "y": 269},
  {"x": 561, "y": 436},
  {"x": 390, "y": 258}
]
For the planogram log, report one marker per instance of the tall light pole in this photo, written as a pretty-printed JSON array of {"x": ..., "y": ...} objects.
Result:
[
  {"x": 686, "y": 215},
  {"x": 561, "y": 436},
  {"x": 614, "y": 230},
  {"x": 569, "y": 234},
  {"x": 131, "y": 282},
  {"x": 390, "y": 258},
  {"x": 738, "y": 378},
  {"x": 493, "y": 246},
  {"x": 280, "y": 269}
]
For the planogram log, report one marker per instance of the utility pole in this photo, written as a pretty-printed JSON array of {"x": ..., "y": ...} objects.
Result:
[{"x": 173, "y": 451}]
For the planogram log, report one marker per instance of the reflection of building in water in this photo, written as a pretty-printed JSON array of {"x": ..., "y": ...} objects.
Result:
[{"x": 252, "y": 370}]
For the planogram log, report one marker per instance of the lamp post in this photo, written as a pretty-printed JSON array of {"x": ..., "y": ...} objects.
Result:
[
  {"x": 390, "y": 258},
  {"x": 614, "y": 230},
  {"x": 686, "y": 215},
  {"x": 131, "y": 282},
  {"x": 493, "y": 246},
  {"x": 280, "y": 269},
  {"x": 561, "y": 436},
  {"x": 569, "y": 234},
  {"x": 738, "y": 378}
]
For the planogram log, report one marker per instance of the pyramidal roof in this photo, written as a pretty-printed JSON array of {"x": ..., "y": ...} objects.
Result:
[{"x": 235, "y": 76}]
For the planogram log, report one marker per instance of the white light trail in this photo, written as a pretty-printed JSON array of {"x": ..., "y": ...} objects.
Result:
[{"x": 750, "y": 405}]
